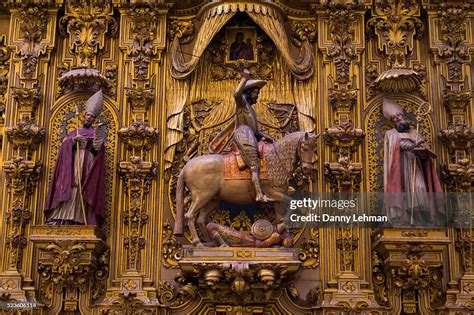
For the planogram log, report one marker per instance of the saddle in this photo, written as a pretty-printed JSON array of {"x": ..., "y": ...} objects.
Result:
[{"x": 235, "y": 167}]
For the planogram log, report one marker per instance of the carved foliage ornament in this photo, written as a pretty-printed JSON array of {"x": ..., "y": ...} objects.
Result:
[
  {"x": 25, "y": 134},
  {"x": 22, "y": 178},
  {"x": 86, "y": 22},
  {"x": 453, "y": 33},
  {"x": 183, "y": 30},
  {"x": 341, "y": 27},
  {"x": 396, "y": 25},
  {"x": 32, "y": 28}
]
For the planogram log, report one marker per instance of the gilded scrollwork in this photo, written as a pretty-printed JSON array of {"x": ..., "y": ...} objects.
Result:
[
  {"x": 309, "y": 249},
  {"x": 171, "y": 251},
  {"x": 379, "y": 277},
  {"x": 302, "y": 31},
  {"x": 174, "y": 297},
  {"x": 86, "y": 23},
  {"x": 396, "y": 25}
]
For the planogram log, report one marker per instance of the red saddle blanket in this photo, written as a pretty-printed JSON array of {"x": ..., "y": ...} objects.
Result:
[{"x": 235, "y": 168}]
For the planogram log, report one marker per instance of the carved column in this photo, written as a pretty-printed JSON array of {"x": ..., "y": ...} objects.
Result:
[
  {"x": 342, "y": 42},
  {"x": 30, "y": 41},
  {"x": 141, "y": 40},
  {"x": 452, "y": 45}
]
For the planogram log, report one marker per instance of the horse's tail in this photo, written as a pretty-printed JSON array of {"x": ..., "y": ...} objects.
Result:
[{"x": 178, "y": 225}]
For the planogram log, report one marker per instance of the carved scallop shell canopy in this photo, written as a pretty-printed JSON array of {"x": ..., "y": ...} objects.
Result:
[
  {"x": 262, "y": 229},
  {"x": 398, "y": 80},
  {"x": 83, "y": 79}
]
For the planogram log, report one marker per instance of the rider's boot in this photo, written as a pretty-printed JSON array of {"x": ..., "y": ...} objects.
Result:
[{"x": 260, "y": 197}]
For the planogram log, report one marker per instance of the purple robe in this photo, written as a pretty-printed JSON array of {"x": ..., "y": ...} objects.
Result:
[{"x": 93, "y": 180}]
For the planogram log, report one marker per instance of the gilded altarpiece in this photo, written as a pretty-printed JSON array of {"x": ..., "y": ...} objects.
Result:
[{"x": 168, "y": 72}]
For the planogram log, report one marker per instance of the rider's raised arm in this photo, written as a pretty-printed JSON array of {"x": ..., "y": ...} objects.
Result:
[{"x": 238, "y": 94}]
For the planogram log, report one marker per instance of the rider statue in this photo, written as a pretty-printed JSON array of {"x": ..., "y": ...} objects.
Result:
[{"x": 247, "y": 134}]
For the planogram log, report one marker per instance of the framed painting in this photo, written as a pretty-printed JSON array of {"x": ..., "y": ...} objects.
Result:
[{"x": 241, "y": 44}]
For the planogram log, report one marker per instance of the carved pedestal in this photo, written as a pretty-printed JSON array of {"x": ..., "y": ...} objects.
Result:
[
  {"x": 72, "y": 264},
  {"x": 410, "y": 263},
  {"x": 232, "y": 278}
]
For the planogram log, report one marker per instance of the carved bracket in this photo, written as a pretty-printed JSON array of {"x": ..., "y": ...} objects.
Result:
[
  {"x": 25, "y": 135},
  {"x": 70, "y": 268},
  {"x": 140, "y": 99},
  {"x": 247, "y": 278},
  {"x": 27, "y": 99},
  {"x": 344, "y": 138},
  {"x": 138, "y": 136}
]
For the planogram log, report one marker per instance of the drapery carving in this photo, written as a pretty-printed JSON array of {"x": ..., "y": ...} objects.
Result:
[
  {"x": 302, "y": 66},
  {"x": 182, "y": 65},
  {"x": 268, "y": 18}
]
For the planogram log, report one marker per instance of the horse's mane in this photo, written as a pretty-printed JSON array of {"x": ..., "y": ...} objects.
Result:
[{"x": 281, "y": 158}]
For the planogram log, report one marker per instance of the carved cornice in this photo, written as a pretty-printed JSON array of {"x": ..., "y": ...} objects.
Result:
[
  {"x": 25, "y": 135},
  {"x": 86, "y": 23}
]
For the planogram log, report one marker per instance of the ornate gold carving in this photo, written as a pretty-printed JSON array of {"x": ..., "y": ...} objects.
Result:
[
  {"x": 172, "y": 251},
  {"x": 86, "y": 22},
  {"x": 173, "y": 297},
  {"x": 341, "y": 28},
  {"x": 457, "y": 102},
  {"x": 381, "y": 289},
  {"x": 84, "y": 79},
  {"x": 22, "y": 178},
  {"x": 111, "y": 73},
  {"x": 344, "y": 138},
  {"x": 371, "y": 74},
  {"x": 138, "y": 136},
  {"x": 347, "y": 241},
  {"x": 69, "y": 265},
  {"x": 415, "y": 233},
  {"x": 25, "y": 135},
  {"x": 144, "y": 30},
  {"x": 458, "y": 176},
  {"x": 301, "y": 31},
  {"x": 183, "y": 30},
  {"x": 343, "y": 175},
  {"x": 137, "y": 176},
  {"x": 453, "y": 34},
  {"x": 396, "y": 25},
  {"x": 458, "y": 137},
  {"x": 140, "y": 99},
  {"x": 4, "y": 68},
  {"x": 33, "y": 21},
  {"x": 262, "y": 70},
  {"x": 309, "y": 250},
  {"x": 464, "y": 246},
  {"x": 27, "y": 99}
]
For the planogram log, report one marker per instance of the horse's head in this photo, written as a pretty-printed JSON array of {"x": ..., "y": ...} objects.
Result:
[{"x": 306, "y": 148}]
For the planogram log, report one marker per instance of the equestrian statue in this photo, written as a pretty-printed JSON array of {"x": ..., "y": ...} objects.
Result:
[{"x": 257, "y": 170}]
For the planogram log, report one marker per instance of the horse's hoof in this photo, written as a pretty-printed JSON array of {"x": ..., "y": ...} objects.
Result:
[{"x": 199, "y": 245}]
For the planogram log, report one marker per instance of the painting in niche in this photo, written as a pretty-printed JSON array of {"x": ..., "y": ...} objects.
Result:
[{"x": 241, "y": 44}]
